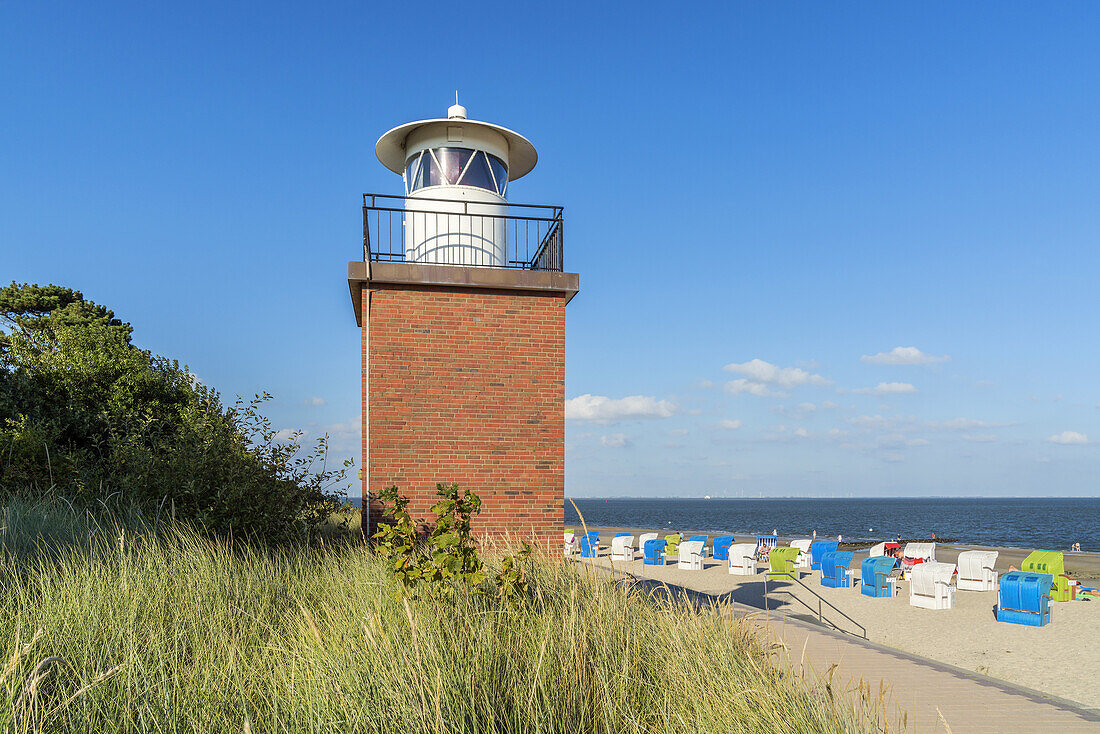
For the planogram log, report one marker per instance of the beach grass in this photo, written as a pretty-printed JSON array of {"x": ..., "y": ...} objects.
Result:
[{"x": 114, "y": 623}]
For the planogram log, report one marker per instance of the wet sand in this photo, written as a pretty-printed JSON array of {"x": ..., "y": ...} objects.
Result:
[{"x": 1060, "y": 658}]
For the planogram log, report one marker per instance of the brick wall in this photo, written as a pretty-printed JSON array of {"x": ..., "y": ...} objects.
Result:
[{"x": 467, "y": 385}]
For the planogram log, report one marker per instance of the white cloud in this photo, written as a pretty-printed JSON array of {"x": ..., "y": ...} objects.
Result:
[
  {"x": 872, "y": 421},
  {"x": 801, "y": 432},
  {"x": 314, "y": 401},
  {"x": 838, "y": 432},
  {"x": 729, "y": 425},
  {"x": 980, "y": 437},
  {"x": 759, "y": 371},
  {"x": 897, "y": 441},
  {"x": 616, "y": 441},
  {"x": 602, "y": 409},
  {"x": 806, "y": 407},
  {"x": 1069, "y": 438},
  {"x": 893, "y": 457},
  {"x": 828, "y": 405},
  {"x": 760, "y": 390},
  {"x": 673, "y": 445},
  {"x": 704, "y": 384},
  {"x": 902, "y": 356},
  {"x": 887, "y": 388},
  {"x": 964, "y": 424},
  {"x": 288, "y": 434},
  {"x": 678, "y": 432}
]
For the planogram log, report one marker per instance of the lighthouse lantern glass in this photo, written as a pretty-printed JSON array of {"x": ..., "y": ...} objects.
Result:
[{"x": 456, "y": 167}]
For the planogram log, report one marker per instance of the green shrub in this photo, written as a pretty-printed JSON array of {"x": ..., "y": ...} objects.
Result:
[
  {"x": 444, "y": 559},
  {"x": 86, "y": 414}
]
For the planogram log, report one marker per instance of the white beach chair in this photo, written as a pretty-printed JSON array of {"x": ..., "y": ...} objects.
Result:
[
  {"x": 976, "y": 570},
  {"x": 622, "y": 548},
  {"x": 803, "y": 545},
  {"x": 916, "y": 554},
  {"x": 642, "y": 541},
  {"x": 690, "y": 557},
  {"x": 877, "y": 550},
  {"x": 924, "y": 551},
  {"x": 742, "y": 559},
  {"x": 570, "y": 546},
  {"x": 930, "y": 586}
]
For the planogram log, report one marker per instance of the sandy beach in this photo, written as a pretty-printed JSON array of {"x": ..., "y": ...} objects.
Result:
[{"x": 1059, "y": 658}]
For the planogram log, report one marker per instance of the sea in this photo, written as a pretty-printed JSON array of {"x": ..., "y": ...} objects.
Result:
[
  {"x": 1048, "y": 523},
  {"x": 1053, "y": 523}
]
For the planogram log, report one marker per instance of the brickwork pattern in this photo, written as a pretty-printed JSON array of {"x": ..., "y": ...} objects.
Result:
[{"x": 467, "y": 386}]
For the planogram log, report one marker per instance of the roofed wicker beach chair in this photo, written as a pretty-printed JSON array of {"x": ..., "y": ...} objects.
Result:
[
  {"x": 930, "y": 585},
  {"x": 720, "y": 548},
  {"x": 1052, "y": 562},
  {"x": 768, "y": 541},
  {"x": 976, "y": 571},
  {"x": 803, "y": 546},
  {"x": 742, "y": 561},
  {"x": 653, "y": 552},
  {"x": 834, "y": 569},
  {"x": 704, "y": 539},
  {"x": 782, "y": 563},
  {"x": 622, "y": 547},
  {"x": 692, "y": 553},
  {"x": 819, "y": 548},
  {"x": 642, "y": 540},
  {"x": 916, "y": 554},
  {"x": 1024, "y": 598},
  {"x": 672, "y": 543},
  {"x": 882, "y": 549},
  {"x": 876, "y": 576},
  {"x": 590, "y": 544},
  {"x": 569, "y": 542}
]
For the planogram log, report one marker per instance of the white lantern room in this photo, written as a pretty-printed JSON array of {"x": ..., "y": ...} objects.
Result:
[{"x": 456, "y": 173}]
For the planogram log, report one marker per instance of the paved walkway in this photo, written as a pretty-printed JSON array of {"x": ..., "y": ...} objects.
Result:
[
  {"x": 922, "y": 695},
  {"x": 913, "y": 693}
]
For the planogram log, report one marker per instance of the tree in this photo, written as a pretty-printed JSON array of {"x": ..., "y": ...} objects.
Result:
[{"x": 86, "y": 413}]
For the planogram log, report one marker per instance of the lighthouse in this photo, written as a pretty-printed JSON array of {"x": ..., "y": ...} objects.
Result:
[{"x": 460, "y": 297}]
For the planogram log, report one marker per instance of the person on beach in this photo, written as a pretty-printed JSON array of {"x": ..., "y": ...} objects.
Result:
[{"x": 815, "y": 535}]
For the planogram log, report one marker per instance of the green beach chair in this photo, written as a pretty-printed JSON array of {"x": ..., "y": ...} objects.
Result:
[
  {"x": 782, "y": 560},
  {"x": 672, "y": 545},
  {"x": 1051, "y": 562}
]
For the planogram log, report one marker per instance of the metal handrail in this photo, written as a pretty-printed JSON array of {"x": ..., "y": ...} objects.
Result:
[
  {"x": 820, "y": 617},
  {"x": 535, "y": 228}
]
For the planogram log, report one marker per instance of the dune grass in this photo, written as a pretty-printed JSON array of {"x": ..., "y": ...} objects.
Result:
[{"x": 123, "y": 625}]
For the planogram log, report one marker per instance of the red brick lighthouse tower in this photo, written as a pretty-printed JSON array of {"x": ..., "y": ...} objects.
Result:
[{"x": 461, "y": 299}]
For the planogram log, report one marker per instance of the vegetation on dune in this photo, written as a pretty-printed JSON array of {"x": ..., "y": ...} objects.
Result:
[
  {"x": 86, "y": 414},
  {"x": 117, "y": 623},
  {"x": 168, "y": 565}
]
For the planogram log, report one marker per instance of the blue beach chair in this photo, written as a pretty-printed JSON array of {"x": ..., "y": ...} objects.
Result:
[
  {"x": 834, "y": 569},
  {"x": 1024, "y": 598},
  {"x": 590, "y": 543},
  {"x": 704, "y": 539},
  {"x": 769, "y": 541},
  {"x": 720, "y": 550},
  {"x": 875, "y": 576},
  {"x": 819, "y": 548},
  {"x": 654, "y": 552}
]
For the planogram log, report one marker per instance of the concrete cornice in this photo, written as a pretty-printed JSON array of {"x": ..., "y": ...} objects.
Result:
[{"x": 365, "y": 274}]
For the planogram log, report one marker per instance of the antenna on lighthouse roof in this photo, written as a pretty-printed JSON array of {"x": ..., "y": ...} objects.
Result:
[{"x": 456, "y": 110}]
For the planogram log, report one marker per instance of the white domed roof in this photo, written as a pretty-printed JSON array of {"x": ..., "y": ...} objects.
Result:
[{"x": 390, "y": 148}]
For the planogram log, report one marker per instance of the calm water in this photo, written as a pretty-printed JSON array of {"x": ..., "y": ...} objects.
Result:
[{"x": 1024, "y": 523}]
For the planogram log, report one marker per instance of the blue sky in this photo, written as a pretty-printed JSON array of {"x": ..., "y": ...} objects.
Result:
[{"x": 760, "y": 199}]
